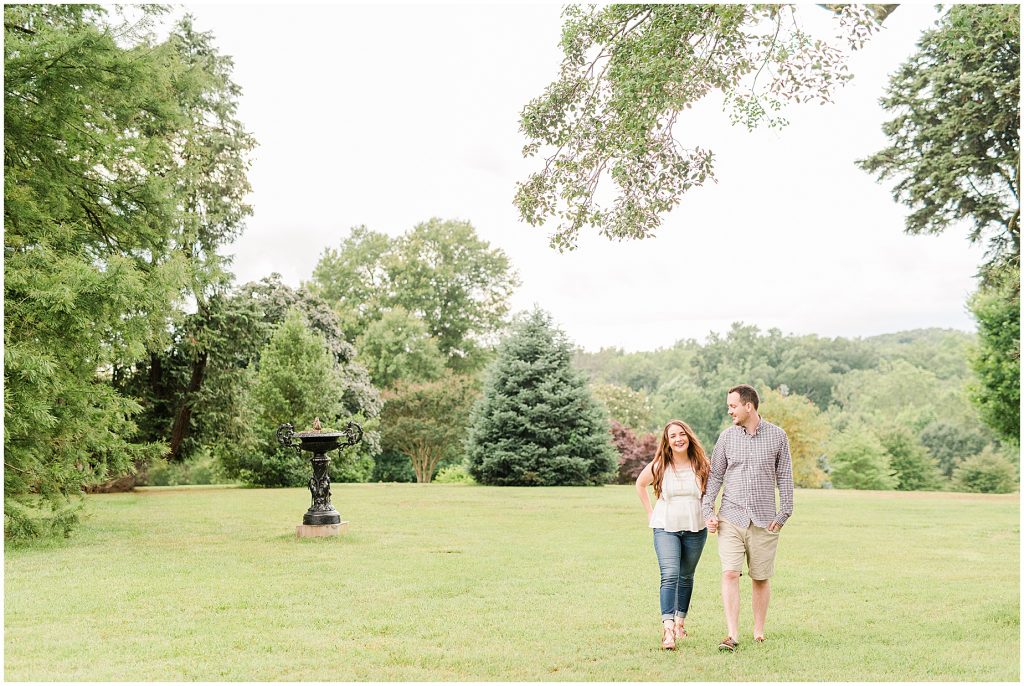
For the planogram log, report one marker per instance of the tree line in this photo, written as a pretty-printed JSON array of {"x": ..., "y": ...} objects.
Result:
[{"x": 890, "y": 411}]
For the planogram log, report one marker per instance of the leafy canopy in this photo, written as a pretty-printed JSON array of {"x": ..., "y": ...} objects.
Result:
[
  {"x": 427, "y": 421},
  {"x": 954, "y": 149},
  {"x": 806, "y": 428},
  {"x": 996, "y": 360},
  {"x": 398, "y": 347},
  {"x": 629, "y": 71},
  {"x": 440, "y": 272},
  {"x": 124, "y": 170}
]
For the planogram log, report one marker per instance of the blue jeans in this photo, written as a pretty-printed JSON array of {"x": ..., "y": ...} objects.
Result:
[{"x": 678, "y": 553}]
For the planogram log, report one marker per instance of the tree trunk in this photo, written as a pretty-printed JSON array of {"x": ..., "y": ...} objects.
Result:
[{"x": 184, "y": 415}]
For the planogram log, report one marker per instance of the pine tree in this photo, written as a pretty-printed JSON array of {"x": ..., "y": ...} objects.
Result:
[{"x": 537, "y": 424}]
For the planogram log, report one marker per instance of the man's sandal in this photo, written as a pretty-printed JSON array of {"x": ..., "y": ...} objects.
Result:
[{"x": 728, "y": 644}]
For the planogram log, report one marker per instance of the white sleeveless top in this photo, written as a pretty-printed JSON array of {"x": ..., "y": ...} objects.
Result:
[{"x": 678, "y": 508}]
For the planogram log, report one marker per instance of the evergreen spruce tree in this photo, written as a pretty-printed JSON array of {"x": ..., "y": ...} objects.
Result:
[{"x": 537, "y": 423}]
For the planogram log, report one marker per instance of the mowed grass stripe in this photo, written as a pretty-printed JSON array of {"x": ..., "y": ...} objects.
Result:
[{"x": 451, "y": 582}]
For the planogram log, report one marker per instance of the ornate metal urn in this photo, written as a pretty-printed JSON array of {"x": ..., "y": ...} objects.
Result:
[{"x": 320, "y": 442}]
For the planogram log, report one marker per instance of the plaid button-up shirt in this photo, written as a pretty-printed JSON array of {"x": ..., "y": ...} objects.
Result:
[{"x": 750, "y": 467}]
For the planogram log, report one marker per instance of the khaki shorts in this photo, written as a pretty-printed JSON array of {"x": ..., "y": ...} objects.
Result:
[{"x": 754, "y": 543}]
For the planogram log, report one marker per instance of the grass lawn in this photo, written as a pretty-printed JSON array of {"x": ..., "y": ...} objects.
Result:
[{"x": 456, "y": 582}]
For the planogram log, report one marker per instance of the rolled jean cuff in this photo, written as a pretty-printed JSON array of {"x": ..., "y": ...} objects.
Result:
[
  {"x": 668, "y": 617},
  {"x": 680, "y": 615}
]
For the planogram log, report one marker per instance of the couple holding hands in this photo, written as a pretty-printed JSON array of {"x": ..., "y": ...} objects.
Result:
[{"x": 751, "y": 458}]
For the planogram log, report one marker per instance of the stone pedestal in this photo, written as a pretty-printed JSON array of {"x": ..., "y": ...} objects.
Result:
[{"x": 317, "y": 530}]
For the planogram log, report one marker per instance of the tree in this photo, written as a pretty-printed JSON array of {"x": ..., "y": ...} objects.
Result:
[
  {"x": 807, "y": 431},
  {"x": 628, "y": 72},
  {"x": 634, "y": 451},
  {"x": 298, "y": 381},
  {"x": 355, "y": 278},
  {"x": 105, "y": 161},
  {"x": 913, "y": 467},
  {"x": 950, "y": 443},
  {"x": 942, "y": 351},
  {"x": 537, "y": 424},
  {"x": 955, "y": 156},
  {"x": 896, "y": 391},
  {"x": 457, "y": 283},
  {"x": 398, "y": 347},
  {"x": 954, "y": 141},
  {"x": 198, "y": 408},
  {"x": 193, "y": 391},
  {"x": 440, "y": 272},
  {"x": 701, "y": 407},
  {"x": 427, "y": 421},
  {"x": 211, "y": 186},
  {"x": 743, "y": 353},
  {"x": 624, "y": 405},
  {"x": 996, "y": 360},
  {"x": 987, "y": 472},
  {"x": 812, "y": 366},
  {"x": 859, "y": 460}
]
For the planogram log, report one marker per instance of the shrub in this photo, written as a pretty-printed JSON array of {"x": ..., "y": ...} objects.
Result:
[
  {"x": 634, "y": 452},
  {"x": 351, "y": 465},
  {"x": 281, "y": 467},
  {"x": 914, "y": 468},
  {"x": 392, "y": 465},
  {"x": 454, "y": 474},
  {"x": 859, "y": 460},
  {"x": 987, "y": 472},
  {"x": 203, "y": 469}
]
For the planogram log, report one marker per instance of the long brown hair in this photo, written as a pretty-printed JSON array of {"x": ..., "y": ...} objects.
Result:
[{"x": 695, "y": 451}]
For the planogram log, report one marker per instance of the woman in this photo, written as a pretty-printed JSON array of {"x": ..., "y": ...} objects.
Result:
[{"x": 679, "y": 473}]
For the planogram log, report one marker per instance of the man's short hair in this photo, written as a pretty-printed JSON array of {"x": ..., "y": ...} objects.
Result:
[{"x": 747, "y": 394}]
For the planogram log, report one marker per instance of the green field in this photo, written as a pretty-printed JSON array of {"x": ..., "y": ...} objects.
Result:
[{"x": 472, "y": 583}]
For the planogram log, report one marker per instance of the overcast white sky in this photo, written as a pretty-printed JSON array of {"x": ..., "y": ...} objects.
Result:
[{"x": 388, "y": 115}]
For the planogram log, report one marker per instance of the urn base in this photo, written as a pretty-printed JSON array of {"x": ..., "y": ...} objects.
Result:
[{"x": 329, "y": 517}]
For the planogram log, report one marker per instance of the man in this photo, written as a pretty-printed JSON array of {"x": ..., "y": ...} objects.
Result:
[{"x": 751, "y": 459}]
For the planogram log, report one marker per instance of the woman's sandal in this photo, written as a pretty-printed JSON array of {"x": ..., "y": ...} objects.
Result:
[
  {"x": 681, "y": 632},
  {"x": 668, "y": 639}
]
